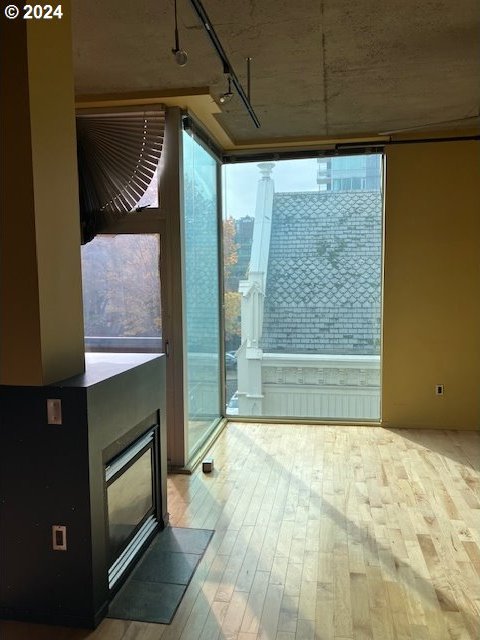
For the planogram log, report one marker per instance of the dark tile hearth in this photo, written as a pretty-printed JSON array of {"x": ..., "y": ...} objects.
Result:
[
  {"x": 163, "y": 565},
  {"x": 156, "y": 587},
  {"x": 185, "y": 540},
  {"x": 147, "y": 601}
]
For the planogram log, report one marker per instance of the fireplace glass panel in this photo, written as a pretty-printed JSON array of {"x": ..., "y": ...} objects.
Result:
[{"x": 130, "y": 500}]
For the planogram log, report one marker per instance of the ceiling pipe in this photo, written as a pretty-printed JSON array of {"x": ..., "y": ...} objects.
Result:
[{"x": 227, "y": 67}]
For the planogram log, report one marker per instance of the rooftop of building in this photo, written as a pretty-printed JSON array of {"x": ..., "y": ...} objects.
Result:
[{"x": 323, "y": 289}]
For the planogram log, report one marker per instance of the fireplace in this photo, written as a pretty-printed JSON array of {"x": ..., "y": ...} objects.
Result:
[
  {"x": 132, "y": 503},
  {"x": 68, "y": 535}
]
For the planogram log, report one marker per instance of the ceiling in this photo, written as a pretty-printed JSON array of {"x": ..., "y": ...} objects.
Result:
[{"x": 320, "y": 69}]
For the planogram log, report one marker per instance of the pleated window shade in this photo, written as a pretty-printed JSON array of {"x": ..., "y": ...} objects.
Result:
[{"x": 118, "y": 154}]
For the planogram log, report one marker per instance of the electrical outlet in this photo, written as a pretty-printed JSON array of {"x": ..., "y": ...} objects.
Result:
[
  {"x": 54, "y": 411},
  {"x": 439, "y": 390}
]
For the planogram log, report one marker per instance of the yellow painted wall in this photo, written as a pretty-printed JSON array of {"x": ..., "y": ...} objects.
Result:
[
  {"x": 19, "y": 305},
  {"x": 41, "y": 295},
  {"x": 431, "y": 330}
]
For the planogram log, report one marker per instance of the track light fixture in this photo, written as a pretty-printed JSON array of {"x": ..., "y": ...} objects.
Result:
[
  {"x": 180, "y": 55},
  {"x": 228, "y": 95}
]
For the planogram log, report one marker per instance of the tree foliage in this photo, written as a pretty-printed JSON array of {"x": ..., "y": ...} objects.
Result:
[
  {"x": 232, "y": 299},
  {"x": 121, "y": 286},
  {"x": 232, "y": 315},
  {"x": 230, "y": 247}
]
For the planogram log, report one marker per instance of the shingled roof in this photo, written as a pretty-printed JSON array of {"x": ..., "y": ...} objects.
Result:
[{"x": 324, "y": 272}]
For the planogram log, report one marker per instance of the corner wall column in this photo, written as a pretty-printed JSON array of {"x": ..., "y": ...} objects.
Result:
[
  {"x": 41, "y": 316},
  {"x": 172, "y": 278}
]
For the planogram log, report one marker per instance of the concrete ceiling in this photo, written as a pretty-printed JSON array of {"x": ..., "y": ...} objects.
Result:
[{"x": 322, "y": 68}]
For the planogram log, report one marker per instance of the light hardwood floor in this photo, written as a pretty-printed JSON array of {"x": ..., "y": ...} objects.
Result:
[{"x": 344, "y": 533}]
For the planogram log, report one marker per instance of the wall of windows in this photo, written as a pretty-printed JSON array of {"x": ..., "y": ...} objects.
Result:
[
  {"x": 303, "y": 273},
  {"x": 201, "y": 290},
  {"x": 123, "y": 297},
  {"x": 302, "y": 281}
]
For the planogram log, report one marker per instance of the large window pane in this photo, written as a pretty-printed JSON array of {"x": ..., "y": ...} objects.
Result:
[
  {"x": 121, "y": 293},
  {"x": 200, "y": 235},
  {"x": 303, "y": 247}
]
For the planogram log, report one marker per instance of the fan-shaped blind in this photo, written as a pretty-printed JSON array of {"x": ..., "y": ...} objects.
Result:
[{"x": 118, "y": 154}]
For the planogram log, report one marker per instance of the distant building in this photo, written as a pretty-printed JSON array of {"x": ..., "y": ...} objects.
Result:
[{"x": 350, "y": 173}]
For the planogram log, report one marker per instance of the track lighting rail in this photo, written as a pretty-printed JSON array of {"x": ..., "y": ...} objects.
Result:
[{"x": 227, "y": 67}]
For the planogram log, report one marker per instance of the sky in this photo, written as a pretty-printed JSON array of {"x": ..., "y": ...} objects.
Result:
[{"x": 241, "y": 180}]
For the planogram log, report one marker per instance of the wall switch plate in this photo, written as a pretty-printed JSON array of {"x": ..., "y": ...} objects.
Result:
[
  {"x": 439, "y": 390},
  {"x": 59, "y": 537},
  {"x": 54, "y": 411}
]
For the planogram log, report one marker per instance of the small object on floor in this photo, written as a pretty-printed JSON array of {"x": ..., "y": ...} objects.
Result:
[{"x": 207, "y": 465}]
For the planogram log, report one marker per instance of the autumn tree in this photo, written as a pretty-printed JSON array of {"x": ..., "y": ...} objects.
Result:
[
  {"x": 232, "y": 318},
  {"x": 230, "y": 247},
  {"x": 121, "y": 286},
  {"x": 232, "y": 300}
]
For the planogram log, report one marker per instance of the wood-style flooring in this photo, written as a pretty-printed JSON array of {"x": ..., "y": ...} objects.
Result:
[{"x": 324, "y": 532}]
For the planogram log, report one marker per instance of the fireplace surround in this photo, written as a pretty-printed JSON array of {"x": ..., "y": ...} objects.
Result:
[{"x": 58, "y": 444}]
